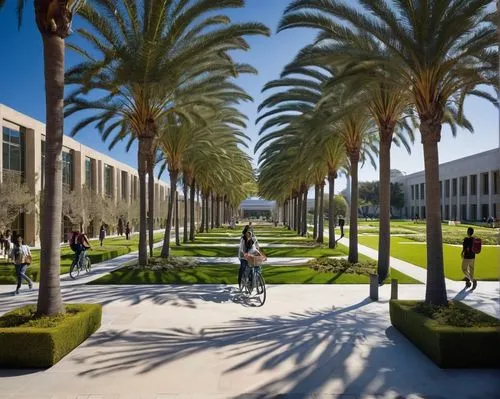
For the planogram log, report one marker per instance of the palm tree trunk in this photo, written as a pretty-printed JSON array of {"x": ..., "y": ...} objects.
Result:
[
  {"x": 435, "y": 292},
  {"x": 331, "y": 209},
  {"x": 207, "y": 215},
  {"x": 304, "y": 213},
  {"x": 321, "y": 213},
  {"x": 315, "y": 217},
  {"x": 177, "y": 237},
  {"x": 384, "y": 235},
  {"x": 151, "y": 205},
  {"x": 185, "y": 232},
  {"x": 353, "y": 226},
  {"x": 49, "y": 295},
  {"x": 165, "y": 250},
  {"x": 217, "y": 211},
  {"x": 299, "y": 213},
  {"x": 202, "y": 224},
  {"x": 212, "y": 211},
  {"x": 192, "y": 226},
  {"x": 142, "y": 171}
]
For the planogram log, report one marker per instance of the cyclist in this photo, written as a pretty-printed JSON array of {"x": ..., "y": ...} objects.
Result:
[
  {"x": 84, "y": 245},
  {"x": 245, "y": 245}
]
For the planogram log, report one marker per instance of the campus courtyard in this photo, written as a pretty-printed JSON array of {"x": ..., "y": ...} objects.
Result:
[{"x": 198, "y": 337}]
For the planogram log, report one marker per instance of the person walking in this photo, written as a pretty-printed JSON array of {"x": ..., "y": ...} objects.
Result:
[
  {"x": 341, "y": 225},
  {"x": 127, "y": 231},
  {"x": 102, "y": 234},
  {"x": 468, "y": 258},
  {"x": 7, "y": 243},
  {"x": 21, "y": 256}
]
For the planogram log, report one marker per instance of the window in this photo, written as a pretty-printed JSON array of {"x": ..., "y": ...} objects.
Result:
[
  {"x": 473, "y": 185},
  {"x": 447, "y": 212},
  {"x": 463, "y": 186},
  {"x": 473, "y": 212},
  {"x": 454, "y": 212},
  {"x": 422, "y": 191},
  {"x": 43, "y": 163},
  {"x": 495, "y": 182},
  {"x": 412, "y": 212},
  {"x": 124, "y": 185},
  {"x": 67, "y": 170},
  {"x": 440, "y": 189},
  {"x": 416, "y": 192},
  {"x": 108, "y": 180},
  {"x": 423, "y": 212},
  {"x": 13, "y": 152},
  {"x": 463, "y": 216},
  {"x": 484, "y": 211},
  {"x": 88, "y": 172},
  {"x": 412, "y": 193},
  {"x": 454, "y": 187},
  {"x": 486, "y": 185},
  {"x": 447, "y": 189}
]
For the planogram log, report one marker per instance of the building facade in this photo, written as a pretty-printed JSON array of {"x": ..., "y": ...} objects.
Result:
[
  {"x": 22, "y": 155},
  {"x": 469, "y": 188}
]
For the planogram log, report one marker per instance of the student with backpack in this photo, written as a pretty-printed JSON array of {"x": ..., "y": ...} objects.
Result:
[{"x": 470, "y": 248}]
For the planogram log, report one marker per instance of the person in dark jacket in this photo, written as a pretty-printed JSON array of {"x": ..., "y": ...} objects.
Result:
[{"x": 468, "y": 259}]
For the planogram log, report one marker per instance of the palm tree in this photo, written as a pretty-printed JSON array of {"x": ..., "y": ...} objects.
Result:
[
  {"x": 53, "y": 20},
  {"x": 439, "y": 53},
  {"x": 147, "y": 62}
]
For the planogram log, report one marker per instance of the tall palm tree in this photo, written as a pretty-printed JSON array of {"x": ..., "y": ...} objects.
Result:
[
  {"x": 53, "y": 20},
  {"x": 149, "y": 53},
  {"x": 439, "y": 52}
]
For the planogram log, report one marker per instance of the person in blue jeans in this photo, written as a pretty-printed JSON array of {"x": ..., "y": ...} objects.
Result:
[
  {"x": 21, "y": 255},
  {"x": 246, "y": 236}
]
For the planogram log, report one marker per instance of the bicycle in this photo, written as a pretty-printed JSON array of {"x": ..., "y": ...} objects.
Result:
[
  {"x": 252, "y": 278},
  {"x": 77, "y": 266}
]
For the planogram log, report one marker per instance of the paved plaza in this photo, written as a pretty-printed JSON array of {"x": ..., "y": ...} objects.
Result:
[{"x": 207, "y": 341}]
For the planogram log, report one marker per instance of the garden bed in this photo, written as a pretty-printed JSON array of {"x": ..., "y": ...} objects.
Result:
[
  {"x": 29, "y": 342},
  {"x": 454, "y": 337}
]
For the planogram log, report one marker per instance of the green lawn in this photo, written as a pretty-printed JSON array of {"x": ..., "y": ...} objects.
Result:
[
  {"x": 112, "y": 248},
  {"x": 486, "y": 267},
  {"x": 200, "y": 250},
  {"x": 228, "y": 274}
]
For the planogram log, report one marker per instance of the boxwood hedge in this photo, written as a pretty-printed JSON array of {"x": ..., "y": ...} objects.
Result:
[
  {"x": 449, "y": 346},
  {"x": 48, "y": 341}
]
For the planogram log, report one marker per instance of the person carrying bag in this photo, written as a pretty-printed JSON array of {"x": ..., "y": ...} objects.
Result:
[{"x": 21, "y": 256}]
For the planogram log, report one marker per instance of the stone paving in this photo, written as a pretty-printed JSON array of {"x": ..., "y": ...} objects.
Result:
[{"x": 208, "y": 341}]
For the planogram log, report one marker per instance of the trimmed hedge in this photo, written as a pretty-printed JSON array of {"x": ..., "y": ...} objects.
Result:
[
  {"x": 448, "y": 346},
  {"x": 37, "y": 347}
]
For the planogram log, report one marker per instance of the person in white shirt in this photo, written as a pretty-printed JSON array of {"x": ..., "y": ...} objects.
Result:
[{"x": 21, "y": 256}]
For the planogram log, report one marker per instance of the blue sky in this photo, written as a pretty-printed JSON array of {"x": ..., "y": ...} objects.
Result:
[{"x": 22, "y": 86}]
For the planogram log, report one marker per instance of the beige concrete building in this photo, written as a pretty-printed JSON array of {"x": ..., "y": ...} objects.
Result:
[{"x": 23, "y": 142}]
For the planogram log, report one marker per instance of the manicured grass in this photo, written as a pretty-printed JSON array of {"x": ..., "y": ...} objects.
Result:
[
  {"x": 486, "y": 266},
  {"x": 228, "y": 274},
  {"x": 200, "y": 250},
  {"x": 112, "y": 248}
]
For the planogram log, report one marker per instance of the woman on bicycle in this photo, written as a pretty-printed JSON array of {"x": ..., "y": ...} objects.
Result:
[{"x": 246, "y": 243}]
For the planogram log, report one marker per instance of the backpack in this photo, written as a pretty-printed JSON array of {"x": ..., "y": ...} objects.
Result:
[{"x": 476, "y": 245}]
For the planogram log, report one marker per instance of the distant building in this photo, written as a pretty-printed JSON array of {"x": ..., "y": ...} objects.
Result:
[
  {"x": 469, "y": 188},
  {"x": 256, "y": 207}
]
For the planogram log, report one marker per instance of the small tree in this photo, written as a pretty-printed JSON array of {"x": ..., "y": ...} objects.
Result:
[{"x": 15, "y": 197}]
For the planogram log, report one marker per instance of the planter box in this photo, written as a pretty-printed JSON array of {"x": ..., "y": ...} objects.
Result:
[
  {"x": 34, "y": 347},
  {"x": 448, "y": 346}
]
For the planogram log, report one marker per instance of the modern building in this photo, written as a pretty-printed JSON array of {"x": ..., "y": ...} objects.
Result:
[
  {"x": 23, "y": 147},
  {"x": 256, "y": 207},
  {"x": 469, "y": 188}
]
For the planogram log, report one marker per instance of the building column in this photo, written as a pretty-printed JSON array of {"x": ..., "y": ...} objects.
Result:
[
  {"x": 468, "y": 213},
  {"x": 459, "y": 212},
  {"x": 33, "y": 179},
  {"x": 490, "y": 193},
  {"x": 450, "y": 200},
  {"x": 478, "y": 196}
]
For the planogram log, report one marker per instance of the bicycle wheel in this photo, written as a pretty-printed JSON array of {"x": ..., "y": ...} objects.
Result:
[
  {"x": 88, "y": 265},
  {"x": 260, "y": 288},
  {"x": 74, "y": 271}
]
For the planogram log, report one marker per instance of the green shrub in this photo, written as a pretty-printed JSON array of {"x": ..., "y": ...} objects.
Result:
[
  {"x": 447, "y": 345},
  {"x": 29, "y": 342},
  {"x": 166, "y": 264},
  {"x": 333, "y": 265}
]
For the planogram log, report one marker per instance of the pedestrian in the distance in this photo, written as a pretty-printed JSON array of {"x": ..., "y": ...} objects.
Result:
[
  {"x": 471, "y": 246},
  {"x": 102, "y": 234},
  {"x": 341, "y": 225},
  {"x": 21, "y": 256},
  {"x": 7, "y": 243},
  {"x": 127, "y": 231}
]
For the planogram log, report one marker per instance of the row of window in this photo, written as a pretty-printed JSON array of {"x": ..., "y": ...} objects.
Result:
[
  {"x": 448, "y": 213},
  {"x": 417, "y": 190}
]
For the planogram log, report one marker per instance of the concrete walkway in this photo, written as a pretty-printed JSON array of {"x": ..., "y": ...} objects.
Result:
[{"x": 207, "y": 341}]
